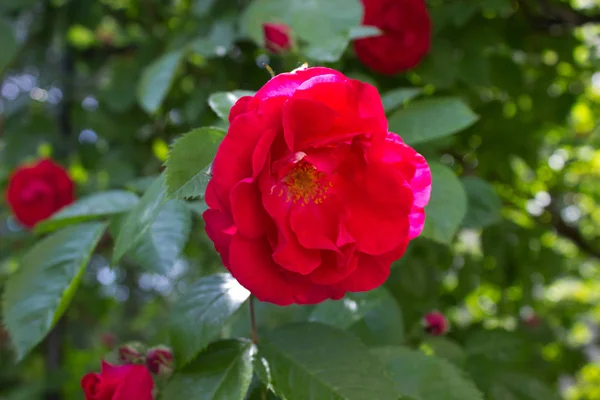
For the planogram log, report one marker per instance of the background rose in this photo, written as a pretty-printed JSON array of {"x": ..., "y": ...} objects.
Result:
[
  {"x": 310, "y": 196},
  {"x": 406, "y": 35},
  {"x": 118, "y": 382},
  {"x": 37, "y": 191},
  {"x": 277, "y": 37}
]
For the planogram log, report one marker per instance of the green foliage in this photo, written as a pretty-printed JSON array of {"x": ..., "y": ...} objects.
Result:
[
  {"x": 88, "y": 208},
  {"x": 310, "y": 360},
  {"x": 38, "y": 294},
  {"x": 425, "y": 120},
  {"x": 222, "y": 372},
  {"x": 156, "y": 81},
  {"x": 162, "y": 244},
  {"x": 447, "y": 206},
  {"x": 483, "y": 203},
  {"x": 188, "y": 166},
  {"x": 423, "y": 377},
  {"x": 139, "y": 220},
  {"x": 8, "y": 43},
  {"x": 198, "y": 316}
]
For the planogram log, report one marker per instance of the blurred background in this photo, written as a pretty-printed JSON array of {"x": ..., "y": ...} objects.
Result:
[{"x": 104, "y": 87}]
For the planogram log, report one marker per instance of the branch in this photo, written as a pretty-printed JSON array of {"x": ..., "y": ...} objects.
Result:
[{"x": 571, "y": 232}]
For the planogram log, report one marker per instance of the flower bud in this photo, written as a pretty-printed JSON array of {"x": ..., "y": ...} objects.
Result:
[
  {"x": 131, "y": 353},
  {"x": 159, "y": 360},
  {"x": 532, "y": 321},
  {"x": 277, "y": 37},
  {"x": 435, "y": 323}
]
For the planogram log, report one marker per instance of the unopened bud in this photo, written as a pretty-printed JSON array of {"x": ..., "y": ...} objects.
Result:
[
  {"x": 277, "y": 37},
  {"x": 435, "y": 323},
  {"x": 159, "y": 360},
  {"x": 131, "y": 353}
]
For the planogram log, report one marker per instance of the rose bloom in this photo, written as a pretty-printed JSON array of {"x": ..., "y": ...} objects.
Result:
[
  {"x": 37, "y": 191},
  {"x": 406, "y": 35},
  {"x": 310, "y": 195},
  {"x": 277, "y": 37},
  {"x": 118, "y": 382}
]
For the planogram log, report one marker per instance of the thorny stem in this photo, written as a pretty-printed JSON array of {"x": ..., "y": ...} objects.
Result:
[{"x": 253, "y": 321}]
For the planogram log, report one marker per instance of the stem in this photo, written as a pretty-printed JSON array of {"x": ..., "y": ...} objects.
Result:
[{"x": 253, "y": 321}]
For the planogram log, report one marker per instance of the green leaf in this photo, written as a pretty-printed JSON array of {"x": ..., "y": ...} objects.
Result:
[
  {"x": 38, "y": 294},
  {"x": 8, "y": 44},
  {"x": 397, "y": 97},
  {"x": 447, "y": 206},
  {"x": 315, "y": 361},
  {"x": 497, "y": 345},
  {"x": 156, "y": 81},
  {"x": 88, "y": 208},
  {"x": 313, "y": 21},
  {"x": 137, "y": 222},
  {"x": 221, "y": 102},
  {"x": 141, "y": 184},
  {"x": 526, "y": 386},
  {"x": 327, "y": 50},
  {"x": 218, "y": 42},
  {"x": 445, "y": 348},
  {"x": 187, "y": 173},
  {"x": 383, "y": 325},
  {"x": 429, "y": 119},
  {"x": 363, "y": 31},
  {"x": 197, "y": 207},
  {"x": 352, "y": 308},
  {"x": 423, "y": 377},
  {"x": 259, "y": 12},
  {"x": 163, "y": 243},
  {"x": 483, "y": 202},
  {"x": 222, "y": 372},
  {"x": 198, "y": 316}
]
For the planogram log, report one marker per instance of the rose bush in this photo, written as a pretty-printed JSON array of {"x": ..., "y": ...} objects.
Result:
[
  {"x": 406, "y": 37},
  {"x": 118, "y": 382},
  {"x": 311, "y": 196},
  {"x": 37, "y": 191}
]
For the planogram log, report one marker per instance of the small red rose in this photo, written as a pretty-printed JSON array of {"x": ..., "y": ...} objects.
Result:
[
  {"x": 37, "y": 191},
  {"x": 435, "y": 323},
  {"x": 277, "y": 37},
  {"x": 118, "y": 382},
  {"x": 406, "y": 37},
  {"x": 311, "y": 196},
  {"x": 159, "y": 360},
  {"x": 532, "y": 321}
]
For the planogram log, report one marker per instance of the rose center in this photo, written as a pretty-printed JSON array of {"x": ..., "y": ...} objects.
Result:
[
  {"x": 306, "y": 183},
  {"x": 34, "y": 192}
]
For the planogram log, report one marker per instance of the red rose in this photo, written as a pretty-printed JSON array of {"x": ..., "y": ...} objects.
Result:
[
  {"x": 37, "y": 191},
  {"x": 310, "y": 196},
  {"x": 118, "y": 382},
  {"x": 435, "y": 323},
  {"x": 406, "y": 35},
  {"x": 277, "y": 37}
]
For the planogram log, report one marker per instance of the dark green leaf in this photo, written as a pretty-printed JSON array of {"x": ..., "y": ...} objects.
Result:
[
  {"x": 156, "y": 81},
  {"x": 198, "y": 316},
  {"x": 383, "y": 325},
  {"x": 222, "y": 372},
  {"x": 38, "y": 294},
  {"x": 423, "y": 377},
  {"x": 429, "y": 119},
  {"x": 187, "y": 173},
  {"x": 221, "y": 102},
  {"x": 397, "y": 97},
  {"x": 137, "y": 222},
  {"x": 91, "y": 207},
  {"x": 447, "y": 206},
  {"x": 445, "y": 348},
  {"x": 527, "y": 387},
  {"x": 315, "y": 361},
  {"x": 197, "y": 207},
  {"x": 162, "y": 244},
  {"x": 483, "y": 203}
]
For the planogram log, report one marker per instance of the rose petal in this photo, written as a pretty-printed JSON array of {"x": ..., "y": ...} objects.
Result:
[{"x": 247, "y": 210}]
